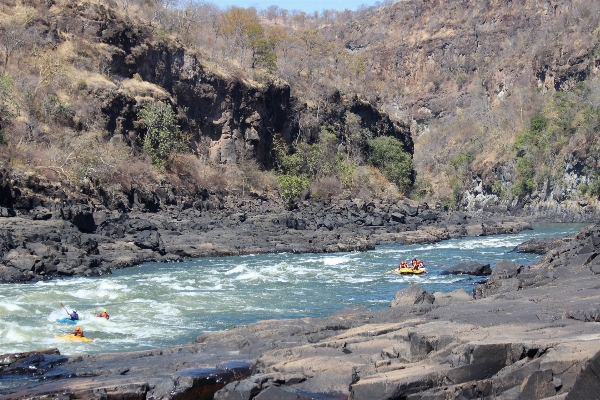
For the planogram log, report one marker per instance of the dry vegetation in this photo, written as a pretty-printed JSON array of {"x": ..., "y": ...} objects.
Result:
[{"x": 468, "y": 77}]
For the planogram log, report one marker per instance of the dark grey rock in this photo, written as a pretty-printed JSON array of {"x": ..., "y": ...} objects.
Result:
[
  {"x": 538, "y": 245},
  {"x": 538, "y": 385},
  {"x": 457, "y": 218},
  {"x": 414, "y": 294},
  {"x": 469, "y": 268},
  {"x": 149, "y": 240}
]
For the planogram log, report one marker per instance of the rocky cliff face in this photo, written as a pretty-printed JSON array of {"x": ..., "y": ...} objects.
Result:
[
  {"x": 561, "y": 201},
  {"x": 228, "y": 117},
  {"x": 506, "y": 45},
  {"x": 471, "y": 75}
]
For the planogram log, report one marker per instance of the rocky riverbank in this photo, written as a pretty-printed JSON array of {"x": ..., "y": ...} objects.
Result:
[
  {"x": 60, "y": 241},
  {"x": 529, "y": 332}
]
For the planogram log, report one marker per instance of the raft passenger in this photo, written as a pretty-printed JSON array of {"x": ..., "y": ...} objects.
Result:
[{"x": 403, "y": 264}]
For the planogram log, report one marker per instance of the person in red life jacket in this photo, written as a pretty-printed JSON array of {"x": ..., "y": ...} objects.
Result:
[
  {"x": 403, "y": 264},
  {"x": 103, "y": 314},
  {"x": 78, "y": 332}
]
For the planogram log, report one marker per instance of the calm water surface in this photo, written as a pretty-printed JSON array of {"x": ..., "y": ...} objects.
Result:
[{"x": 158, "y": 304}]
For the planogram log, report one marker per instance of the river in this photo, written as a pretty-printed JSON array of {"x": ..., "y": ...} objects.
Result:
[{"x": 160, "y": 304}]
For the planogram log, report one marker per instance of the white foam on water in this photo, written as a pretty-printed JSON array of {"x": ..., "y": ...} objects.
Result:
[
  {"x": 11, "y": 307},
  {"x": 274, "y": 269},
  {"x": 335, "y": 260},
  {"x": 181, "y": 288},
  {"x": 162, "y": 304},
  {"x": 236, "y": 270},
  {"x": 163, "y": 278},
  {"x": 250, "y": 276},
  {"x": 358, "y": 280},
  {"x": 16, "y": 334}
]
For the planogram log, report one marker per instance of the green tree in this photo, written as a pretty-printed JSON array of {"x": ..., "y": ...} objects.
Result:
[
  {"x": 388, "y": 155},
  {"x": 163, "y": 136},
  {"x": 290, "y": 188},
  {"x": 356, "y": 136},
  {"x": 263, "y": 53}
]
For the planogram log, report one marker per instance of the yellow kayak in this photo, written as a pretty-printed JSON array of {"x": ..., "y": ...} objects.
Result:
[
  {"x": 74, "y": 338},
  {"x": 410, "y": 271}
]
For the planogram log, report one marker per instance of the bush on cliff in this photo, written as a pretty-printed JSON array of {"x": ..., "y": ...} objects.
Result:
[
  {"x": 290, "y": 188},
  {"x": 387, "y": 154},
  {"x": 566, "y": 125},
  {"x": 163, "y": 136}
]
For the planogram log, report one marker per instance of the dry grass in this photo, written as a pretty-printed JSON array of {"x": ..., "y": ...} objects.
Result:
[{"x": 143, "y": 89}]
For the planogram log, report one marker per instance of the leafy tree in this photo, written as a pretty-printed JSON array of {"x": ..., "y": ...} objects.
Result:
[
  {"x": 388, "y": 155},
  {"x": 163, "y": 135},
  {"x": 524, "y": 184},
  {"x": 280, "y": 39},
  {"x": 356, "y": 136},
  {"x": 263, "y": 53},
  {"x": 290, "y": 188}
]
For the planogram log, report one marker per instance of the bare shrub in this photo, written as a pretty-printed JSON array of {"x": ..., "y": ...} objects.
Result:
[
  {"x": 326, "y": 188},
  {"x": 134, "y": 173},
  {"x": 214, "y": 179}
]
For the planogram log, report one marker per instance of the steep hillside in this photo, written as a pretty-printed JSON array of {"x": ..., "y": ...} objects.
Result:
[
  {"x": 501, "y": 100},
  {"x": 469, "y": 76},
  {"x": 80, "y": 77}
]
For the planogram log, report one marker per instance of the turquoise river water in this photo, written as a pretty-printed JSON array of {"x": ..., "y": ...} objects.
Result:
[{"x": 161, "y": 304}]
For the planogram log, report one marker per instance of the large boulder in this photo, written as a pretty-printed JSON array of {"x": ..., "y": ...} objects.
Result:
[
  {"x": 504, "y": 279},
  {"x": 469, "y": 268},
  {"x": 587, "y": 383},
  {"x": 82, "y": 216},
  {"x": 539, "y": 245},
  {"x": 457, "y": 296},
  {"x": 149, "y": 240},
  {"x": 414, "y": 294}
]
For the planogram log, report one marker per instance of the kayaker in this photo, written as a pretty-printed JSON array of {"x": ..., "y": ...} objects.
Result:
[
  {"x": 103, "y": 314},
  {"x": 78, "y": 332},
  {"x": 74, "y": 316}
]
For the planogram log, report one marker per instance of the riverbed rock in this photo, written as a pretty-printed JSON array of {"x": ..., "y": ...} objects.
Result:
[
  {"x": 456, "y": 296},
  {"x": 537, "y": 339},
  {"x": 468, "y": 268},
  {"x": 539, "y": 245},
  {"x": 414, "y": 294},
  {"x": 82, "y": 240}
]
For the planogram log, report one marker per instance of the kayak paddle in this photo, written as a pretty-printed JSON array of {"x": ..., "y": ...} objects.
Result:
[{"x": 62, "y": 305}]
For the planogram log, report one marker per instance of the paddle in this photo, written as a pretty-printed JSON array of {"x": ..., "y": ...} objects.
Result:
[
  {"x": 62, "y": 305},
  {"x": 391, "y": 270}
]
